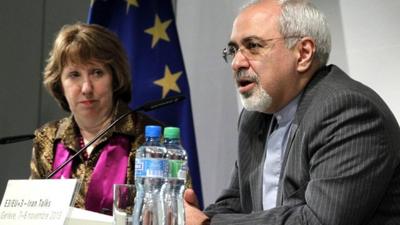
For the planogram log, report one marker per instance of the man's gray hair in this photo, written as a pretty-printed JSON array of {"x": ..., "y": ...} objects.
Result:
[{"x": 300, "y": 18}]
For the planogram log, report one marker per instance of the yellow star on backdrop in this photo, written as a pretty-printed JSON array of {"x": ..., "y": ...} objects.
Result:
[
  {"x": 168, "y": 82},
  {"x": 159, "y": 31},
  {"x": 130, "y": 3}
]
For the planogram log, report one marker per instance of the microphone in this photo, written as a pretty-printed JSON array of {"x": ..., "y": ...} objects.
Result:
[
  {"x": 146, "y": 107},
  {"x": 14, "y": 139}
]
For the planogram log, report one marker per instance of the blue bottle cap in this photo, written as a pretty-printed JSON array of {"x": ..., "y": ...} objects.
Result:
[{"x": 152, "y": 131}]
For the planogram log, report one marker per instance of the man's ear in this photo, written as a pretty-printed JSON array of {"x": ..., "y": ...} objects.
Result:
[{"x": 305, "y": 49}]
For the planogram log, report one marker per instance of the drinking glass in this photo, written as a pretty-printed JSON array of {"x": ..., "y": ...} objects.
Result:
[{"x": 124, "y": 198}]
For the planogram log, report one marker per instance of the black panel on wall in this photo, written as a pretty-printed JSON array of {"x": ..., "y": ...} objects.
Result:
[{"x": 27, "y": 30}]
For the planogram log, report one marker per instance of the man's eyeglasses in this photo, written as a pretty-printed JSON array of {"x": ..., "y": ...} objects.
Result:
[{"x": 251, "y": 49}]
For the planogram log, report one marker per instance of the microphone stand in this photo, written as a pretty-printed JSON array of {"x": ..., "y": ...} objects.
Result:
[{"x": 146, "y": 107}]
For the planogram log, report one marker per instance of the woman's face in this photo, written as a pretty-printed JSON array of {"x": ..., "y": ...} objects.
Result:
[{"x": 88, "y": 90}]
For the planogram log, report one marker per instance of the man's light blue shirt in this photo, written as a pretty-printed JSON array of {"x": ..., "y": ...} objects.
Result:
[{"x": 275, "y": 148}]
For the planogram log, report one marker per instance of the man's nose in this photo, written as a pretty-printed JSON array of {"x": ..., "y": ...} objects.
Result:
[{"x": 239, "y": 61}]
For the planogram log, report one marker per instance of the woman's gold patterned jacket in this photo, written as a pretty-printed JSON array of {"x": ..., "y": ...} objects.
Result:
[{"x": 67, "y": 131}]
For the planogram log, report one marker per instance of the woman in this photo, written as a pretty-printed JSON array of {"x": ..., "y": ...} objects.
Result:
[{"x": 88, "y": 74}]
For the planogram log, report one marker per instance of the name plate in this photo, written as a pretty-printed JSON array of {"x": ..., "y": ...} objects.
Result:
[{"x": 37, "y": 202}]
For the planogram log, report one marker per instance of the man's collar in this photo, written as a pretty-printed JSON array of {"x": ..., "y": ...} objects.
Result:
[{"x": 287, "y": 113}]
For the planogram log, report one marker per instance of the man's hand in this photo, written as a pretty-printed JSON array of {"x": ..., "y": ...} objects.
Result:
[{"x": 194, "y": 216}]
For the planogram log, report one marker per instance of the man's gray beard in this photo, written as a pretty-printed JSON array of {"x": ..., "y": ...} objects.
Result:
[{"x": 259, "y": 100}]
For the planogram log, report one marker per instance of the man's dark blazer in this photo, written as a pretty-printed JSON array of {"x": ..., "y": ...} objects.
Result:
[{"x": 341, "y": 164}]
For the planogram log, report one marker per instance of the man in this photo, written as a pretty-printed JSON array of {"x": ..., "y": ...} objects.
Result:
[{"x": 333, "y": 155}]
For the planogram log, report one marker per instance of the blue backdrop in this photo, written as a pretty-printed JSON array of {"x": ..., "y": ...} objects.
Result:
[{"x": 148, "y": 31}]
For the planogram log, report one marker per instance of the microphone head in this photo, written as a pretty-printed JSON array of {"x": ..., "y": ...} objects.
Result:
[
  {"x": 14, "y": 139},
  {"x": 160, "y": 103}
]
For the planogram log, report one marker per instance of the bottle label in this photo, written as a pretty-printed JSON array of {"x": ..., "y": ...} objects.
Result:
[
  {"x": 177, "y": 169},
  {"x": 148, "y": 167}
]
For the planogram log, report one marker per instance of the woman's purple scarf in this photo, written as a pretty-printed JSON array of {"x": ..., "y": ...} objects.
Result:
[{"x": 110, "y": 169}]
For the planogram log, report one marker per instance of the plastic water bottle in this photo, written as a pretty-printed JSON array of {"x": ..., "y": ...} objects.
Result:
[
  {"x": 174, "y": 187},
  {"x": 151, "y": 169}
]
